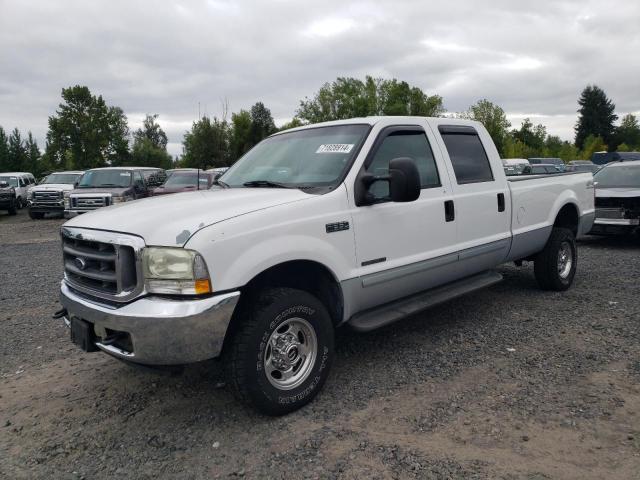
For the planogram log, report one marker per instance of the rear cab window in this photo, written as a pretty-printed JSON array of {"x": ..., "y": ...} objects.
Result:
[{"x": 467, "y": 154}]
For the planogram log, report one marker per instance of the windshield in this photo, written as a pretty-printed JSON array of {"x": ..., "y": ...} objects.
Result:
[
  {"x": 105, "y": 178},
  {"x": 12, "y": 181},
  {"x": 187, "y": 179},
  {"x": 620, "y": 176},
  {"x": 66, "y": 178},
  {"x": 316, "y": 157}
]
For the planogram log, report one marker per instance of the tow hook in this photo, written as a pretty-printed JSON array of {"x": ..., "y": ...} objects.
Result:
[{"x": 59, "y": 314}]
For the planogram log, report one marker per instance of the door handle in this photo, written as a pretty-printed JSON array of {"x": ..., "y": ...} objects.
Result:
[
  {"x": 449, "y": 211},
  {"x": 501, "y": 205}
]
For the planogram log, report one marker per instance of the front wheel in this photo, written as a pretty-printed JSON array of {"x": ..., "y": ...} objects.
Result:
[
  {"x": 12, "y": 208},
  {"x": 555, "y": 266},
  {"x": 281, "y": 353}
]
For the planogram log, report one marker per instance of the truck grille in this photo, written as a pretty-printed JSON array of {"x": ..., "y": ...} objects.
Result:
[
  {"x": 47, "y": 197},
  {"x": 96, "y": 264},
  {"x": 610, "y": 213},
  {"x": 90, "y": 203}
]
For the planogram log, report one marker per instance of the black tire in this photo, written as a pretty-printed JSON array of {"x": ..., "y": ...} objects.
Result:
[
  {"x": 36, "y": 215},
  {"x": 262, "y": 319},
  {"x": 12, "y": 208},
  {"x": 547, "y": 264},
  {"x": 19, "y": 203}
]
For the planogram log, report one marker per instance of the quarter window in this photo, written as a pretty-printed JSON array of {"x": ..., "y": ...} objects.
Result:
[
  {"x": 404, "y": 143},
  {"x": 469, "y": 160}
]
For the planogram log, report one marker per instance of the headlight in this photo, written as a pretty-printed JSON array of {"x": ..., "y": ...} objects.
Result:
[
  {"x": 175, "y": 271},
  {"x": 116, "y": 199}
]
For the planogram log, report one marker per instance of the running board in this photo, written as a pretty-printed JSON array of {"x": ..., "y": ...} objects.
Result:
[{"x": 392, "y": 312}]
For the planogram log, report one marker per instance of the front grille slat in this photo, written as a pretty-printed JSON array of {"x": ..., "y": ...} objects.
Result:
[
  {"x": 107, "y": 276},
  {"x": 90, "y": 203},
  {"x": 103, "y": 255}
]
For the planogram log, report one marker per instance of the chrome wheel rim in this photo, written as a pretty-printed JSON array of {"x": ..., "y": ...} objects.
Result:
[
  {"x": 565, "y": 259},
  {"x": 290, "y": 353}
]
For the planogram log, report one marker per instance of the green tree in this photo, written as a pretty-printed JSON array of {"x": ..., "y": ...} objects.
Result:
[
  {"x": 152, "y": 131},
  {"x": 240, "y": 134},
  {"x": 351, "y": 97},
  {"x": 569, "y": 152},
  {"x": 531, "y": 136},
  {"x": 149, "y": 146},
  {"x": 628, "y": 132},
  {"x": 262, "y": 124},
  {"x": 85, "y": 132},
  {"x": 17, "y": 152},
  {"x": 33, "y": 156},
  {"x": 4, "y": 151},
  {"x": 623, "y": 147},
  {"x": 592, "y": 144},
  {"x": 207, "y": 144},
  {"x": 553, "y": 146},
  {"x": 295, "y": 122},
  {"x": 494, "y": 120},
  {"x": 596, "y": 116}
]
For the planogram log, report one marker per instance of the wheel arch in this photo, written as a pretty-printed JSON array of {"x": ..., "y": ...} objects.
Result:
[
  {"x": 568, "y": 217},
  {"x": 307, "y": 275}
]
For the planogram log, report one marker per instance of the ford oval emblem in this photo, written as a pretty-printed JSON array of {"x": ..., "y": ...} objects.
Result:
[{"x": 80, "y": 263}]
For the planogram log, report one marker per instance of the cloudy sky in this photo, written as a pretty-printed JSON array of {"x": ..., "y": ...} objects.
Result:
[{"x": 170, "y": 56}]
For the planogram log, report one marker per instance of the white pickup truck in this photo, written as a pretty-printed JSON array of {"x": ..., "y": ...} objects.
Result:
[{"x": 359, "y": 222}]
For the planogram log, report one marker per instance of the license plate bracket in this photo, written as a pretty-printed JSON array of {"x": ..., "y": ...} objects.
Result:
[{"x": 82, "y": 335}]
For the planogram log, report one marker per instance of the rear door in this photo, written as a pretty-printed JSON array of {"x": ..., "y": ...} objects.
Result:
[
  {"x": 403, "y": 248},
  {"x": 482, "y": 196}
]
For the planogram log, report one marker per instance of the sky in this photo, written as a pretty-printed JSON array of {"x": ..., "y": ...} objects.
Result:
[{"x": 177, "y": 58}]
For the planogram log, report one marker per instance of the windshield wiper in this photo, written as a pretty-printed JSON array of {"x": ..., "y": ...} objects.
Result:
[{"x": 265, "y": 184}]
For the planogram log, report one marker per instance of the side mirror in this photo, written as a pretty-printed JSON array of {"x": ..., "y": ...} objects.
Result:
[{"x": 403, "y": 178}]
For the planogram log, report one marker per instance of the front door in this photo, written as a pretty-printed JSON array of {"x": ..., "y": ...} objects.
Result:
[{"x": 404, "y": 248}]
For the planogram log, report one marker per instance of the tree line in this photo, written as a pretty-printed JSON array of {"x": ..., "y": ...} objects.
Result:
[{"x": 85, "y": 132}]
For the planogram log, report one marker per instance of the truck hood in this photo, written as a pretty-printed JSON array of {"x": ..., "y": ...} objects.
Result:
[
  {"x": 172, "y": 219},
  {"x": 617, "y": 192}
]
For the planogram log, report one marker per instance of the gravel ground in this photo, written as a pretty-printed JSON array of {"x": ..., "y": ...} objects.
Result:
[{"x": 510, "y": 382}]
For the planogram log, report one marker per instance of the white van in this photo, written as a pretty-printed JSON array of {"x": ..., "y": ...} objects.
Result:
[{"x": 20, "y": 181}]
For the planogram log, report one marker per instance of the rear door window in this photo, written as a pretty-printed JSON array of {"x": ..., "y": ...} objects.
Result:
[{"x": 468, "y": 157}]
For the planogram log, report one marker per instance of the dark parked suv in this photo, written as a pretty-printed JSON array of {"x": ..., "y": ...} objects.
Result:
[
  {"x": 8, "y": 198},
  {"x": 101, "y": 187}
]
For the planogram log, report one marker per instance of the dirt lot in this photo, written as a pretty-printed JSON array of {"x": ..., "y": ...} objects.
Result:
[{"x": 509, "y": 382}]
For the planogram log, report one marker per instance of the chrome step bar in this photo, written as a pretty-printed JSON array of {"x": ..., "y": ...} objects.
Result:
[{"x": 392, "y": 312}]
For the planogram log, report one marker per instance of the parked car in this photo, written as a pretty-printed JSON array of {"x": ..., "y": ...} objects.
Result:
[
  {"x": 582, "y": 166},
  {"x": 101, "y": 187},
  {"x": 218, "y": 172},
  {"x": 356, "y": 222},
  {"x": 602, "y": 158},
  {"x": 154, "y": 177},
  {"x": 559, "y": 164},
  {"x": 8, "y": 199},
  {"x": 20, "y": 181},
  {"x": 48, "y": 195},
  {"x": 514, "y": 166},
  {"x": 617, "y": 199},
  {"x": 184, "y": 180},
  {"x": 540, "y": 169}
]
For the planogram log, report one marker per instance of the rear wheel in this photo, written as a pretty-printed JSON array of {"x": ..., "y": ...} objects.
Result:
[
  {"x": 280, "y": 355},
  {"x": 555, "y": 266}
]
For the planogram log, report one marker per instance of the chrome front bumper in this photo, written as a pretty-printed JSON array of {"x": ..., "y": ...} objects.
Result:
[{"x": 163, "y": 331}]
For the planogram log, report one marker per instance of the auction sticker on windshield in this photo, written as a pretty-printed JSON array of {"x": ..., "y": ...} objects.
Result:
[{"x": 335, "y": 148}]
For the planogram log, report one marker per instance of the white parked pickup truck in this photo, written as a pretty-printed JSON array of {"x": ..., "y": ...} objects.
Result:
[{"x": 358, "y": 222}]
